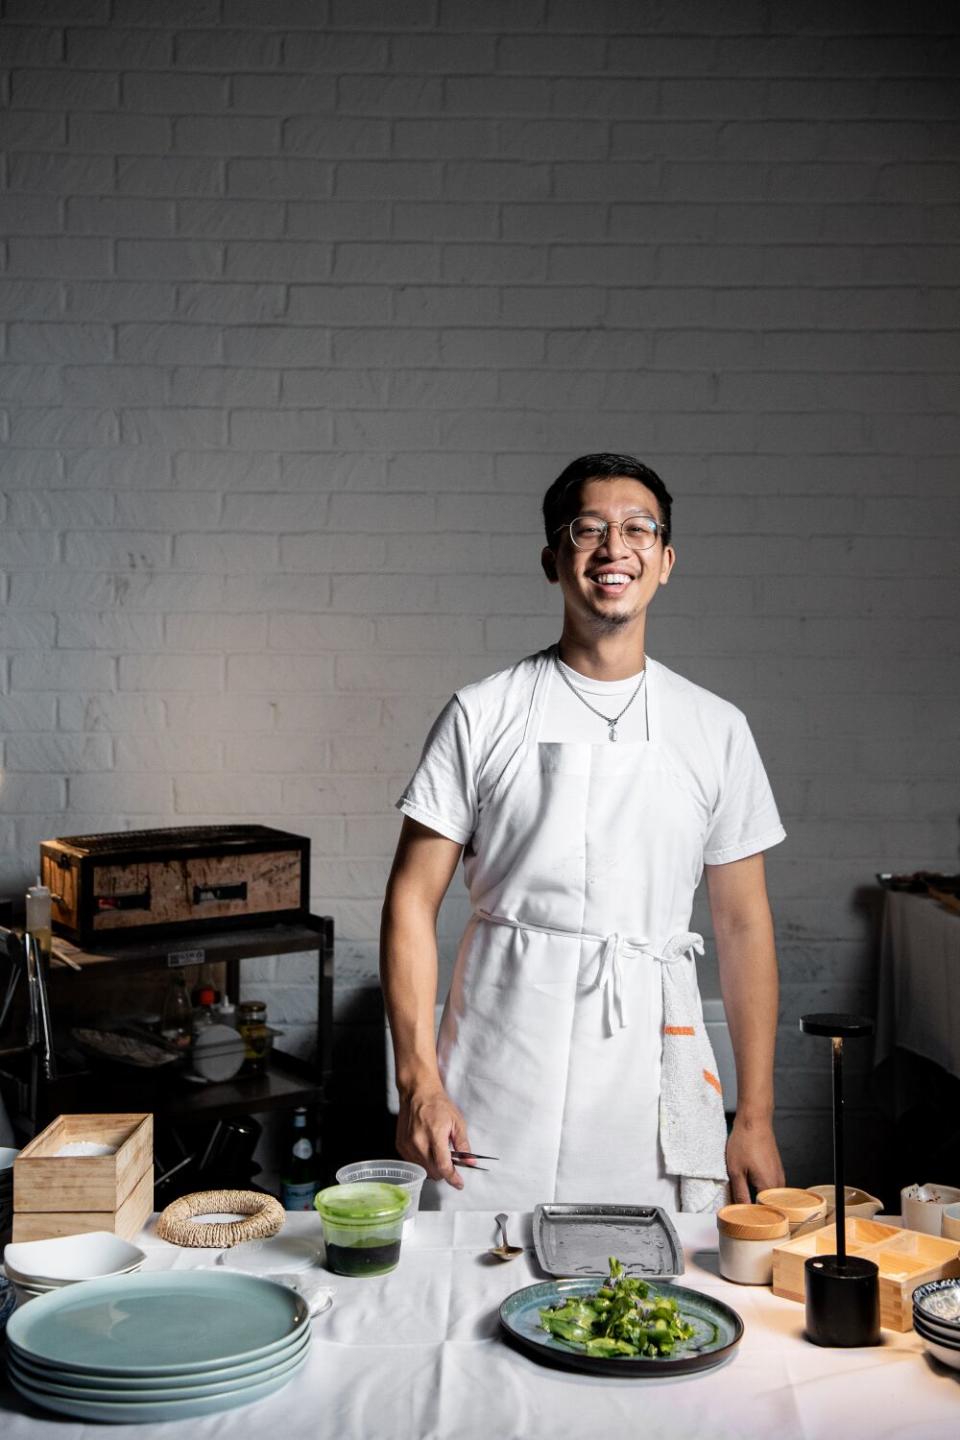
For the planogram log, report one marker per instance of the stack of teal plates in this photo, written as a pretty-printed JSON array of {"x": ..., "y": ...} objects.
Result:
[{"x": 164, "y": 1345}]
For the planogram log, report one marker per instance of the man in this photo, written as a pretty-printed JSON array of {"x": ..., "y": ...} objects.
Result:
[{"x": 587, "y": 789}]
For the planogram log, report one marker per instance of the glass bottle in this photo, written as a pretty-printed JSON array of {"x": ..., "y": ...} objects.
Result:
[
  {"x": 38, "y": 920},
  {"x": 257, "y": 1035},
  {"x": 298, "y": 1175},
  {"x": 176, "y": 1022}
]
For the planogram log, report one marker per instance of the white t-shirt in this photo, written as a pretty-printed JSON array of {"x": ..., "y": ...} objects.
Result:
[{"x": 708, "y": 738}]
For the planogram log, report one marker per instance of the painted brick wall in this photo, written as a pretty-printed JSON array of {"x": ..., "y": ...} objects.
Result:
[{"x": 303, "y": 304}]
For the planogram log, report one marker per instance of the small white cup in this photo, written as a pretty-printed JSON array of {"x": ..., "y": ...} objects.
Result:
[
  {"x": 922, "y": 1206},
  {"x": 950, "y": 1224}
]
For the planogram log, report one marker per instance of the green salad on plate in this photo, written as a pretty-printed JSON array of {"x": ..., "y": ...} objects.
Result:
[{"x": 621, "y": 1318}]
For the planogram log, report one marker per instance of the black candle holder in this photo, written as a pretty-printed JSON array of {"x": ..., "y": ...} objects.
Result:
[{"x": 842, "y": 1291}]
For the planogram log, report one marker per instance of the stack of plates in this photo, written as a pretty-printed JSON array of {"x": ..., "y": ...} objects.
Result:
[
  {"x": 36, "y": 1266},
  {"x": 165, "y": 1345},
  {"x": 936, "y": 1319},
  {"x": 7, "y": 1157}
]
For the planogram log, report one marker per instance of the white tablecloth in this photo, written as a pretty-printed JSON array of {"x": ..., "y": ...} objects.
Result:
[
  {"x": 416, "y": 1355},
  {"x": 919, "y": 994}
]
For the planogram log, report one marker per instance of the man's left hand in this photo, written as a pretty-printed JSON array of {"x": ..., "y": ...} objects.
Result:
[{"x": 752, "y": 1159}]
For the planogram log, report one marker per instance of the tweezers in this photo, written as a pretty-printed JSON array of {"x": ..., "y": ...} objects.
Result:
[{"x": 466, "y": 1157}]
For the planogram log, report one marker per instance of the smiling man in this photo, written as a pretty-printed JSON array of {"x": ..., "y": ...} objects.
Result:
[{"x": 588, "y": 789}]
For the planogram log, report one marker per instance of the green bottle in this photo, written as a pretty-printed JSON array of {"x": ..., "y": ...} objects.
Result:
[{"x": 298, "y": 1178}]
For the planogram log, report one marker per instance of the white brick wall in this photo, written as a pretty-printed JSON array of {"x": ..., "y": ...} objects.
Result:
[{"x": 303, "y": 305}]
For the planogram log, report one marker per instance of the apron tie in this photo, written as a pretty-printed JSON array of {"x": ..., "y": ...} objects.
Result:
[{"x": 610, "y": 981}]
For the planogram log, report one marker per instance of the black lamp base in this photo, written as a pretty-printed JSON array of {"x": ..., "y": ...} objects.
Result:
[{"x": 843, "y": 1301}]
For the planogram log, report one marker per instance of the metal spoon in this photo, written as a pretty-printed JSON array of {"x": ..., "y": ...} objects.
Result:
[{"x": 505, "y": 1251}]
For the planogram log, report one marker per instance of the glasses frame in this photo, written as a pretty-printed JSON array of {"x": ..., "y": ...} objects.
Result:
[{"x": 616, "y": 525}]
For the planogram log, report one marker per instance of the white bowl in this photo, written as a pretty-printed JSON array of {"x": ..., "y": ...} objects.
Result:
[
  {"x": 947, "y": 1335},
  {"x": 7, "y": 1157},
  {"x": 71, "y": 1257},
  {"x": 939, "y": 1302},
  {"x": 943, "y": 1353}
]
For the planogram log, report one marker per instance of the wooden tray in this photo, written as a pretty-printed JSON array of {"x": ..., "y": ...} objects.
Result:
[
  {"x": 905, "y": 1258},
  {"x": 46, "y": 1181}
]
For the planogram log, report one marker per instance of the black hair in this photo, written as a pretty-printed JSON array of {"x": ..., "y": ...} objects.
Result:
[{"x": 562, "y": 501}]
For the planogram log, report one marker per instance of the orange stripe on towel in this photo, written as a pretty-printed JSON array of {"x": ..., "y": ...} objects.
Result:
[
  {"x": 679, "y": 1030},
  {"x": 712, "y": 1080}
]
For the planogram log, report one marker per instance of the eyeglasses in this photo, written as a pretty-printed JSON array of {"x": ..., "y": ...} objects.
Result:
[{"x": 588, "y": 532}]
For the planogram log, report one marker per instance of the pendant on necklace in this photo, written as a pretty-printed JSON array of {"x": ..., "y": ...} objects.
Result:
[{"x": 612, "y": 732}]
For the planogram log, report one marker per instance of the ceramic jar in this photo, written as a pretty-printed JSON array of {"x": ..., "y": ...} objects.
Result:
[
  {"x": 748, "y": 1235},
  {"x": 804, "y": 1210}
]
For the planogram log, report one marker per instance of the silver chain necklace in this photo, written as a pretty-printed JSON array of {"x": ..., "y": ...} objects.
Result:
[{"x": 611, "y": 721}]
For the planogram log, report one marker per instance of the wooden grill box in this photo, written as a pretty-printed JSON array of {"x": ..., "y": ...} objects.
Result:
[
  {"x": 74, "y": 1194},
  {"x": 905, "y": 1259},
  {"x": 140, "y": 883}
]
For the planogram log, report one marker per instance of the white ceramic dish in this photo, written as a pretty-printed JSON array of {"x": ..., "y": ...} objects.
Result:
[
  {"x": 280, "y": 1254},
  {"x": 950, "y": 1224},
  {"x": 939, "y": 1301},
  {"x": 944, "y": 1353},
  {"x": 40, "y": 1287},
  {"x": 922, "y": 1206},
  {"x": 71, "y": 1257},
  {"x": 7, "y": 1157}
]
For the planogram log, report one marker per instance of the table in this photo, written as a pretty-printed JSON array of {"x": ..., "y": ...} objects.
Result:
[
  {"x": 919, "y": 995},
  {"x": 416, "y": 1355}
]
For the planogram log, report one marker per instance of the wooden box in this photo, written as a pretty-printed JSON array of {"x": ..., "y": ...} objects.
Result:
[
  {"x": 139, "y": 883},
  {"x": 905, "y": 1259},
  {"x": 72, "y": 1194}
]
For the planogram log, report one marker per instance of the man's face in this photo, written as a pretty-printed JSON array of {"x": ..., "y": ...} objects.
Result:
[{"x": 609, "y": 586}]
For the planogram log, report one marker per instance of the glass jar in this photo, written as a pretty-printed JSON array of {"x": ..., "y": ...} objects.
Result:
[{"x": 257, "y": 1035}]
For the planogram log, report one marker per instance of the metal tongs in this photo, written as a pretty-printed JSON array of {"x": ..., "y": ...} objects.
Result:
[{"x": 24, "y": 953}]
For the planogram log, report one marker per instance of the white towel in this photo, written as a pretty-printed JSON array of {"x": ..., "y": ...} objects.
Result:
[{"x": 693, "y": 1128}]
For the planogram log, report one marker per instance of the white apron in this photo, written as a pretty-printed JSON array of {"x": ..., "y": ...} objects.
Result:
[{"x": 572, "y": 1037}]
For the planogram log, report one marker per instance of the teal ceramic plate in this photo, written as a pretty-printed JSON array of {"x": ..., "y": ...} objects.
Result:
[
  {"x": 186, "y": 1321},
  {"x": 159, "y": 1410},
  {"x": 35, "y": 1372},
  {"x": 111, "y": 1395},
  {"x": 717, "y": 1331}
]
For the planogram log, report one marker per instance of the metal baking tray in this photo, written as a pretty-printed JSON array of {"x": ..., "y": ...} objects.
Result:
[{"x": 579, "y": 1239}]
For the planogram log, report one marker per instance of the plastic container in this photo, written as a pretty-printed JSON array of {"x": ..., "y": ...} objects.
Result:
[
  {"x": 362, "y": 1226},
  {"x": 402, "y": 1173},
  {"x": 748, "y": 1235}
]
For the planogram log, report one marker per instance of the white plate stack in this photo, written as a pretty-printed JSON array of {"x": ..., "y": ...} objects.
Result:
[
  {"x": 936, "y": 1319},
  {"x": 35, "y": 1267},
  {"x": 166, "y": 1345}
]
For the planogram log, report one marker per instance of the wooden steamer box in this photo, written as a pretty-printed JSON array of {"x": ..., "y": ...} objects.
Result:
[
  {"x": 905, "y": 1259},
  {"x": 135, "y": 883},
  {"x": 73, "y": 1194}
]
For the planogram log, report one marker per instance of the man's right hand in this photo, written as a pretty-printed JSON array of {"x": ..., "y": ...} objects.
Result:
[{"x": 428, "y": 1128}]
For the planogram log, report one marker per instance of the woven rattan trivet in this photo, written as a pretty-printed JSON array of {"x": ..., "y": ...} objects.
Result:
[{"x": 263, "y": 1217}]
